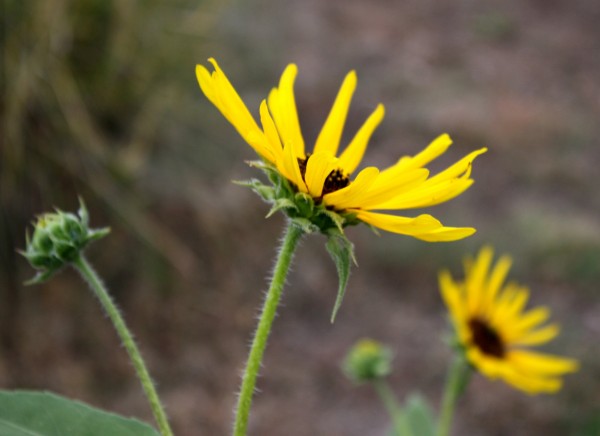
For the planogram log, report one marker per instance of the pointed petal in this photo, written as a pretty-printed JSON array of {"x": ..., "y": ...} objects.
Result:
[
  {"x": 380, "y": 193},
  {"x": 270, "y": 131},
  {"x": 288, "y": 166},
  {"x": 331, "y": 133},
  {"x": 458, "y": 169},
  {"x": 495, "y": 282},
  {"x": 536, "y": 337},
  {"x": 352, "y": 155},
  {"x": 452, "y": 295},
  {"x": 283, "y": 107},
  {"x": 436, "y": 148},
  {"x": 529, "y": 384},
  {"x": 344, "y": 197},
  {"x": 223, "y": 95},
  {"x": 318, "y": 167},
  {"x": 474, "y": 282},
  {"x": 206, "y": 83},
  {"x": 425, "y": 194},
  {"x": 446, "y": 234},
  {"x": 539, "y": 364},
  {"x": 399, "y": 224}
]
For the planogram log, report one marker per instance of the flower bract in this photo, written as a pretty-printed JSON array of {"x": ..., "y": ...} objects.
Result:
[
  {"x": 494, "y": 329},
  {"x": 322, "y": 188}
]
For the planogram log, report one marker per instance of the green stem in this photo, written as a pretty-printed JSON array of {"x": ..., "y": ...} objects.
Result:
[
  {"x": 284, "y": 258},
  {"x": 392, "y": 406},
  {"x": 458, "y": 377},
  {"x": 88, "y": 273}
]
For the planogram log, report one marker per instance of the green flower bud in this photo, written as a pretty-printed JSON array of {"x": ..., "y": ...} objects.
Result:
[
  {"x": 58, "y": 239},
  {"x": 367, "y": 360}
]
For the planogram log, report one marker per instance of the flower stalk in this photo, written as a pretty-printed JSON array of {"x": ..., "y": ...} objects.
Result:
[
  {"x": 458, "y": 378},
  {"x": 292, "y": 236},
  {"x": 392, "y": 406},
  {"x": 89, "y": 275}
]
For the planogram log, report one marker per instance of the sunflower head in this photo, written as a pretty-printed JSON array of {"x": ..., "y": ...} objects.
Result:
[
  {"x": 321, "y": 189},
  {"x": 58, "y": 238},
  {"x": 494, "y": 329}
]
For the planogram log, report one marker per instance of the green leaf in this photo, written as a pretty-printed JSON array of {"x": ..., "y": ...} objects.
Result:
[
  {"x": 419, "y": 416},
  {"x": 31, "y": 413},
  {"x": 341, "y": 251}
]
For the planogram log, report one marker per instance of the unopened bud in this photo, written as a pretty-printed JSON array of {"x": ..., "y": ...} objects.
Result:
[
  {"x": 367, "y": 360},
  {"x": 58, "y": 239}
]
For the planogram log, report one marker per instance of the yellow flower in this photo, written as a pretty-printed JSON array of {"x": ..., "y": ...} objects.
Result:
[
  {"x": 326, "y": 176},
  {"x": 494, "y": 328}
]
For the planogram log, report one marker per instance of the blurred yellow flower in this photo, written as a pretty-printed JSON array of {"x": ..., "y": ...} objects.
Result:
[
  {"x": 494, "y": 328},
  {"x": 326, "y": 176}
]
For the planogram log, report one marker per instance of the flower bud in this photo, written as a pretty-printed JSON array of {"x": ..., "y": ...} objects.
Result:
[
  {"x": 58, "y": 239},
  {"x": 367, "y": 360}
]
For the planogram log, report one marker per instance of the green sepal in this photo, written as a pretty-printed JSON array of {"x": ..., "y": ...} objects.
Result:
[
  {"x": 337, "y": 220},
  {"x": 267, "y": 193},
  {"x": 305, "y": 225},
  {"x": 305, "y": 204},
  {"x": 40, "y": 277},
  {"x": 94, "y": 235},
  {"x": 282, "y": 203},
  {"x": 341, "y": 251}
]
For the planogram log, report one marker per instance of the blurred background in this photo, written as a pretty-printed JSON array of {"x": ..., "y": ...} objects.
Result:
[{"x": 99, "y": 99}]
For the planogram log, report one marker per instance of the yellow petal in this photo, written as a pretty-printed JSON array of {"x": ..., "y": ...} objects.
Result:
[
  {"x": 222, "y": 94},
  {"x": 353, "y": 153},
  {"x": 380, "y": 193},
  {"x": 341, "y": 198},
  {"x": 446, "y": 234},
  {"x": 206, "y": 83},
  {"x": 318, "y": 167},
  {"x": 452, "y": 295},
  {"x": 536, "y": 337},
  {"x": 531, "y": 385},
  {"x": 437, "y": 147},
  {"x": 425, "y": 195},
  {"x": 270, "y": 132},
  {"x": 399, "y": 224},
  {"x": 288, "y": 166},
  {"x": 329, "y": 138},
  {"x": 458, "y": 169},
  {"x": 532, "y": 319},
  {"x": 539, "y": 364},
  {"x": 288, "y": 114},
  {"x": 476, "y": 279},
  {"x": 495, "y": 282}
]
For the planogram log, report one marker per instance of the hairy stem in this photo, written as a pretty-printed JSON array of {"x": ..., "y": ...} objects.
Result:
[
  {"x": 88, "y": 273},
  {"x": 259, "y": 343}
]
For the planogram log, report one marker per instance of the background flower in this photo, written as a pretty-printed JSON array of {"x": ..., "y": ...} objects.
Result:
[{"x": 494, "y": 329}]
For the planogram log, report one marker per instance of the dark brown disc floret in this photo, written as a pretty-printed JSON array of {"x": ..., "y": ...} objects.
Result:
[
  {"x": 486, "y": 338},
  {"x": 335, "y": 181}
]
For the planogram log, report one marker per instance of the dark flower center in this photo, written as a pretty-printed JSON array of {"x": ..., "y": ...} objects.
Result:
[
  {"x": 335, "y": 181},
  {"x": 486, "y": 338}
]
